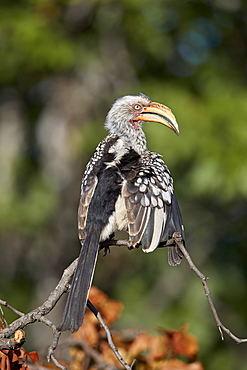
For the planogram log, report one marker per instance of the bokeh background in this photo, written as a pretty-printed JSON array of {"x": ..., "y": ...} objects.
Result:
[{"x": 62, "y": 63}]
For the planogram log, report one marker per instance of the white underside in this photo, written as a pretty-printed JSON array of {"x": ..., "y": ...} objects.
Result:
[{"x": 117, "y": 221}]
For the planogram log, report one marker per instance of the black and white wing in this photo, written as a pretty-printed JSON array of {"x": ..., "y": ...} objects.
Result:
[
  {"x": 94, "y": 168},
  {"x": 152, "y": 210}
]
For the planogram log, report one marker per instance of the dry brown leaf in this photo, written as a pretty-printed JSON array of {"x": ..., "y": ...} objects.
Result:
[
  {"x": 78, "y": 357},
  {"x": 181, "y": 342},
  {"x": 110, "y": 309},
  {"x": 89, "y": 330},
  {"x": 197, "y": 365},
  {"x": 4, "y": 360},
  {"x": 180, "y": 365},
  {"x": 33, "y": 355},
  {"x": 140, "y": 344},
  {"x": 158, "y": 348},
  {"x": 184, "y": 343},
  {"x": 151, "y": 352},
  {"x": 16, "y": 355},
  {"x": 16, "y": 359}
]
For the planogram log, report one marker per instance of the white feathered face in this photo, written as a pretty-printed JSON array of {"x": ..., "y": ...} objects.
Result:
[
  {"x": 123, "y": 113},
  {"x": 129, "y": 112}
]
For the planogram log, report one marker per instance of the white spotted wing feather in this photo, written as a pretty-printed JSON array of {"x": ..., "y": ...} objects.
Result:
[{"x": 152, "y": 211}]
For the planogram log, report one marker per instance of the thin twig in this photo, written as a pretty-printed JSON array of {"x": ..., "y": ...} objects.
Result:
[
  {"x": 57, "y": 363},
  {"x": 5, "y": 304},
  {"x": 179, "y": 241},
  {"x": 53, "y": 346},
  {"x": 95, "y": 356},
  {"x": 108, "y": 335}
]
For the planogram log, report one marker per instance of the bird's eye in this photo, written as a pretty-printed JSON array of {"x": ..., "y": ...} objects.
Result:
[{"x": 137, "y": 106}]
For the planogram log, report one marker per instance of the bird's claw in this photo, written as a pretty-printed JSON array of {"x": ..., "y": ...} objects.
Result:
[{"x": 107, "y": 250}]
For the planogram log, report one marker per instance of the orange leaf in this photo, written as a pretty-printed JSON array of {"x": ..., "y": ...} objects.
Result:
[
  {"x": 20, "y": 352},
  {"x": 15, "y": 356},
  {"x": 4, "y": 360},
  {"x": 180, "y": 365},
  {"x": 109, "y": 308},
  {"x": 185, "y": 344},
  {"x": 181, "y": 342},
  {"x": 195, "y": 366},
  {"x": 158, "y": 348},
  {"x": 173, "y": 364},
  {"x": 33, "y": 356},
  {"x": 78, "y": 356},
  {"x": 89, "y": 330},
  {"x": 140, "y": 344}
]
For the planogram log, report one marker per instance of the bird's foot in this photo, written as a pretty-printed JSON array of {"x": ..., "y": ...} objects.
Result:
[
  {"x": 113, "y": 242},
  {"x": 172, "y": 241},
  {"x": 107, "y": 250}
]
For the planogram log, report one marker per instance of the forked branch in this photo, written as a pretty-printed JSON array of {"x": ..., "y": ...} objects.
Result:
[
  {"x": 39, "y": 314},
  {"x": 177, "y": 238}
]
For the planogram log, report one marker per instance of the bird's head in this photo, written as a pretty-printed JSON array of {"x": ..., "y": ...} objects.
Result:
[{"x": 129, "y": 112}]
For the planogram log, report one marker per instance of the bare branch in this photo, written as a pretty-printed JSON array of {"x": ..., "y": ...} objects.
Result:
[
  {"x": 5, "y": 304},
  {"x": 6, "y": 342},
  {"x": 179, "y": 241},
  {"x": 53, "y": 346},
  {"x": 45, "y": 308},
  {"x": 57, "y": 363},
  {"x": 39, "y": 315},
  {"x": 108, "y": 335}
]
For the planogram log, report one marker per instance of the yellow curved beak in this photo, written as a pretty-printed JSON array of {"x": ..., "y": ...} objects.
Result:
[{"x": 156, "y": 112}]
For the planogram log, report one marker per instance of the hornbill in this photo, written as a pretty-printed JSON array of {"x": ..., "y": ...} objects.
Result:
[{"x": 124, "y": 187}]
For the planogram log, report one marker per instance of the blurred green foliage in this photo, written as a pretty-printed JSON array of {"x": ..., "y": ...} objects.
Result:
[{"x": 62, "y": 63}]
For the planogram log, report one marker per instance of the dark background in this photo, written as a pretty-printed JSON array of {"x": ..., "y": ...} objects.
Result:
[{"x": 62, "y": 63}]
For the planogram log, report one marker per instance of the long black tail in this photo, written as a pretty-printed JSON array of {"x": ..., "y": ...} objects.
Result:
[{"x": 77, "y": 299}]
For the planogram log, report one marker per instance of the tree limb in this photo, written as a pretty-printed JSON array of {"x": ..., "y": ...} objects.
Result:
[
  {"x": 39, "y": 315},
  {"x": 5, "y": 304},
  {"x": 6, "y": 342},
  {"x": 45, "y": 308},
  {"x": 177, "y": 240}
]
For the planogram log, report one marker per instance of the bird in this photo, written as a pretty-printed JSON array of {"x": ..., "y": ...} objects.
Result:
[{"x": 124, "y": 187}]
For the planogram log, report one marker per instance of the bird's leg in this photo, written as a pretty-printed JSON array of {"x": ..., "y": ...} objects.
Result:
[
  {"x": 177, "y": 238},
  {"x": 106, "y": 244},
  {"x": 173, "y": 241},
  {"x": 113, "y": 242}
]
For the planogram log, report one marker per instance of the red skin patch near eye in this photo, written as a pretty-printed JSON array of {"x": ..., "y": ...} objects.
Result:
[{"x": 135, "y": 124}]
